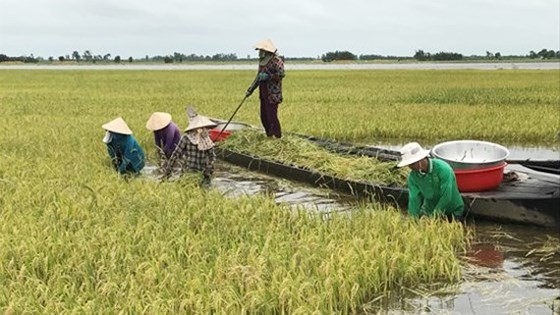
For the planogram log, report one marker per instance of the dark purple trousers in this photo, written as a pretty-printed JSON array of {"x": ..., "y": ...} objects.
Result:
[{"x": 269, "y": 118}]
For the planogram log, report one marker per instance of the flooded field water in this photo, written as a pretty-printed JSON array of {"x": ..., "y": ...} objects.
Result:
[{"x": 510, "y": 269}]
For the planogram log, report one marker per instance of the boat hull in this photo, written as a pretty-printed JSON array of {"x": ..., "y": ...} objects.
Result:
[{"x": 527, "y": 200}]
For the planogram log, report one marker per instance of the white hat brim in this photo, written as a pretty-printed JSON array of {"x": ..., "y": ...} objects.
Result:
[{"x": 413, "y": 159}]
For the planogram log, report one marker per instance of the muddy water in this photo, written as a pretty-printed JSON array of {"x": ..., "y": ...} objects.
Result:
[
  {"x": 234, "y": 181},
  {"x": 510, "y": 269}
]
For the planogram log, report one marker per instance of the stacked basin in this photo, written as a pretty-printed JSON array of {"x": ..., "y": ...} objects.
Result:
[
  {"x": 478, "y": 165},
  {"x": 216, "y": 134}
]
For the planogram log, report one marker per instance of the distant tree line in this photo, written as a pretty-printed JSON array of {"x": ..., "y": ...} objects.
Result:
[
  {"x": 25, "y": 59},
  {"x": 176, "y": 57},
  {"x": 544, "y": 54},
  {"x": 420, "y": 55},
  {"x": 179, "y": 57},
  {"x": 338, "y": 55}
]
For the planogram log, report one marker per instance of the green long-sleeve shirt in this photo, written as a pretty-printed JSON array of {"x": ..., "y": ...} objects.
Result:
[{"x": 434, "y": 192}]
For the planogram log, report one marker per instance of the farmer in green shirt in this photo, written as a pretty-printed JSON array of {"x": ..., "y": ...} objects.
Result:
[{"x": 431, "y": 184}]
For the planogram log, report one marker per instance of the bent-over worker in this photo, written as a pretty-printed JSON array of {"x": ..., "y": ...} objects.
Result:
[
  {"x": 126, "y": 154},
  {"x": 432, "y": 185},
  {"x": 195, "y": 149},
  {"x": 166, "y": 133}
]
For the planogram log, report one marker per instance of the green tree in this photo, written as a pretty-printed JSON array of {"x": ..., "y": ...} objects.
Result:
[
  {"x": 545, "y": 54},
  {"x": 87, "y": 55},
  {"x": 76, "y": 55},
  {"x": 532, "y": 54},
  {"x": 420, "y": 55},
  {"x": 338, "y": 55}
]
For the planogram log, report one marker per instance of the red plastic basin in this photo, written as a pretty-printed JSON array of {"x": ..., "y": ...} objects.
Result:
[
  {"x": 477, "y": 180},
  {"x": 216, "y": 136}
]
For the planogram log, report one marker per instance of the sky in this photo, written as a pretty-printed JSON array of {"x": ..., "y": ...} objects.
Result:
[{"x": 298, "y": 28}]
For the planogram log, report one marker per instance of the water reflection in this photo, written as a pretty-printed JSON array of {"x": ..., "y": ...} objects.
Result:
[
  {"x": 509, "y": 270},
  {"x": 486, "y": 255},
  {"x": 233, "y": 181}
]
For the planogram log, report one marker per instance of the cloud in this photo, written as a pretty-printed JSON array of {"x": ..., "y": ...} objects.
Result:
[{"x": 299, "y": 28}]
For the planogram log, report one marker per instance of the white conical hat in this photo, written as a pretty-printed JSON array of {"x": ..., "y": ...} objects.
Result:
[
  {"x": 266, "y": 45},
  {"x": 118, "y": 125},
  {"x": 158, "y": 120},
  {"x": 412, "y": 153},
  {"x": 198, "y": 121}
]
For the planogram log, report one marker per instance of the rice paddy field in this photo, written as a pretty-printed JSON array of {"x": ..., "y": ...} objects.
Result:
[{"x": 75, "y": 237}]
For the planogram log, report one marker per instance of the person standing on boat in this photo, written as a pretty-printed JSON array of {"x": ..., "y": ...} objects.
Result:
[
  {"x": 432, "y": 185},
  {"x": 269, "y": 81},
  {"x": 195, "y": 149},
  {"x": 126, "y": 154},
  {"x": 166, "y": 134}
]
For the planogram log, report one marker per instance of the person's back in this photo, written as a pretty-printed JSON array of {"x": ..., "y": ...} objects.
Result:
[
  {"x": 166, "y": 133},
  {"x": 438, "y": 188},
  {"x": 432, "y": 187},
  {"x": 130, "y": 155},
  {"x": 125, "y": 152}
]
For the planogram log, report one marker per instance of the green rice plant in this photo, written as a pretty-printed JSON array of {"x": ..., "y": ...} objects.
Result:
[
  {"x": 505, "y": 106},
  {"x": 509, "y": 107}
]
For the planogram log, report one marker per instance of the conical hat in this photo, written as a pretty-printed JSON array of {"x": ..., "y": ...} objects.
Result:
[
  {"x": 198, "y": 121},
  {"x": 266, "y": 45},
  {"x": 117, "y": 126},
  {"x": 158, "y": 120}
]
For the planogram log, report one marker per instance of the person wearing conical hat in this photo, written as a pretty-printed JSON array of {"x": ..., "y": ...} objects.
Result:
[
  {"x": 126, "y": 154},
  {"x": 269, "y": 81},
  {"x": 195, "y": 149},
  {"x": 432, "y": 186},
  {"x": 166, "y": 133}
]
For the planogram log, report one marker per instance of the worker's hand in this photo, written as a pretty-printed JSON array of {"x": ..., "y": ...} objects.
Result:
[{"x": 263, "y": 76}]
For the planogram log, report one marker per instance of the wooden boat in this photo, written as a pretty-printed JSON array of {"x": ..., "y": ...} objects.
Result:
[
  {"x": 545, "y": 166},
  {"x": 522, "y": 197}
]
